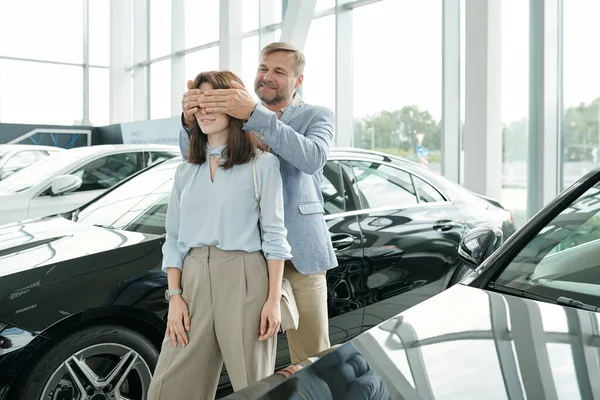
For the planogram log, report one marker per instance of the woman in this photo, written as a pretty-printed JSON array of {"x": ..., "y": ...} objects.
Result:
[{"x": 230, "y": 278}]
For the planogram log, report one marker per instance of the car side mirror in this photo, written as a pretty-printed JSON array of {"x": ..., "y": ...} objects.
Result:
[
  {"x": 64, "y": 184},
  {"x": 478, "y": 244}
]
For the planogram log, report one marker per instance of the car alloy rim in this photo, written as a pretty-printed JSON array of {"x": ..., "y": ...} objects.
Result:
[{"x": 100, "y": 372}]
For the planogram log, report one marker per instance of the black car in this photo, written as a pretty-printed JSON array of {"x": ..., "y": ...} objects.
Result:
[
  {"x": 82, "y": 308},
  {"x": 525, "y": 324}
]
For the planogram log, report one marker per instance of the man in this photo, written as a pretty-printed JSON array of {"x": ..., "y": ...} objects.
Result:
[{"x": 301, "y": 136}]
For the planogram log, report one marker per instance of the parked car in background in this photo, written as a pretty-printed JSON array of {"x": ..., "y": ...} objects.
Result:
[
  {"x": 524, "y": 324},
  {"x": 14, "y": 157},
  {"x": 94, "y": 274},
  {"x": 72, "y": 178}
]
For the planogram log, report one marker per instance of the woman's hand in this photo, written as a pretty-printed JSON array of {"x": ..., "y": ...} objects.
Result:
[
  {"x": 270, "y": 319},
  {"x": 178, "y": 322}
]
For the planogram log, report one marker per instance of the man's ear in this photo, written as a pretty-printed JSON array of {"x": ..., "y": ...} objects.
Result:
[{"x": 299, "y": 80}]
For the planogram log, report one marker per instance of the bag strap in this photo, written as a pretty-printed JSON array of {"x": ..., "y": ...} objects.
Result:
[{"x": 256, "y": 194}]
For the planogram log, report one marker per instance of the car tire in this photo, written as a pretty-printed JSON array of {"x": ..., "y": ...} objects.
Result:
[{"x": 101, "y": 349}]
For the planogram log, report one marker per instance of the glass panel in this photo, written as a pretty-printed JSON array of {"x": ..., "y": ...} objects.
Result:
[
  {"x": 562, "y": 259},
  {"x": 514, "y": 106},
  {"x": 426, "y": 192},
  {"x": 382, "y": 186},
  {"x": 108, "y": 171},
  {"x": 160, "y": 28},
  {"x": 160, "y": 90},
  {"x": 99, "y": 96},
  {"x": 318, "y": 86},
  {"x": 99, "y": 32},
  {"x": 250, "y": 15},
  {"x": 61, "y": 102},
  {"x": 250, "y": 55},
  {"x": 41, "y": 29},
  {"x": 277, "y": 35},
  {"x": 20, "y": 160},
  {"x": 581, "y": 90},
  {"x": 125, "y": 198},
  {"x": 201, "y": 22},
  {"x": 152, "y": 220},
  {"x": 199, "y": 61},
  {"x": 332, "y": 188},
  {"x": 396, "y": 115}
]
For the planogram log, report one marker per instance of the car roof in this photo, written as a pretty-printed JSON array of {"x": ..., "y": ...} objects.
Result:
[{"x": 22, "y": 146}]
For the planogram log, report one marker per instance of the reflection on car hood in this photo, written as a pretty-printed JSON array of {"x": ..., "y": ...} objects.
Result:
[
  {"x": 39, "y": 242},
  {"x": 464, "y": 343}
]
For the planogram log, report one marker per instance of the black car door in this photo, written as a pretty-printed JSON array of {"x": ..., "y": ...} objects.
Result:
[
  {"x": 411, "y": 235},
  {"x": 344, "y": 282}
]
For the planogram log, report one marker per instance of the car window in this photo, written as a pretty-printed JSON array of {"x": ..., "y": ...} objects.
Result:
[
  {"x": 332, "y": 188},
  {"x": 134, "y": 205},
  {"x": 382, "y": 186},
  {"x": 21, "y": 160},
  {"x": 106, "y": 172},
  {"x": 563, "y": 258},
  {"x": 157, "y": 156},
  {"x": 425, "y": 192}
]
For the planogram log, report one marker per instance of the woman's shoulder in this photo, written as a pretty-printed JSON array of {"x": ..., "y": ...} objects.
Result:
[
  {"x": 266, "y": 159},
  {"x": 185, "y": 167}
]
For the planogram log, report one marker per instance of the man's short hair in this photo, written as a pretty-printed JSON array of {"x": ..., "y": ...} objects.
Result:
[{"x": 282, "y": 46}]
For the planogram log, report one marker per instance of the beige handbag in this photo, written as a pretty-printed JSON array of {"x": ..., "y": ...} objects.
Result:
[{"x": 289, "y": 310}]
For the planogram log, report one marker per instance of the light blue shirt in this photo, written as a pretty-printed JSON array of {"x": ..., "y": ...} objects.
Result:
[{"x": 224, "y": 213}]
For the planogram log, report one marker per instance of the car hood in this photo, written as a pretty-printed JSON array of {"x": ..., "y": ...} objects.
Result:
[
  {"x": 47, "y": 241},
  {"x": 464, "y": 343}
]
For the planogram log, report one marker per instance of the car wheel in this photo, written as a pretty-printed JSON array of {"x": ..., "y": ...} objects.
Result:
[{"x": 101, "y": 362}]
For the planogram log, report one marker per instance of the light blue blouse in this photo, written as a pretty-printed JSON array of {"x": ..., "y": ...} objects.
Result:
[{"x": 223, "y": 213}]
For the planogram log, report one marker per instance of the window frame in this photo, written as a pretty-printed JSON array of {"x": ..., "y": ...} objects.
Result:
[{"x": 44, "y": 191}]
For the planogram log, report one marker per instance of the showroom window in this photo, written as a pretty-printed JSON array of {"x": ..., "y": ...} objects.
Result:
[
  {"x": 581, "y": 90},
  {"x": 397, "y": 78}
]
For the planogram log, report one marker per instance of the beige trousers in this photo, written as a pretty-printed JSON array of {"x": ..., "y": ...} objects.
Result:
[
  {"x": 225, "y": 292},
  {"x": 312, "y": 335}
]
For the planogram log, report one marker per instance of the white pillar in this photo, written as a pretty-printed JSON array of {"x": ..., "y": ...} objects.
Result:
[
  {"x": 178, "y": 78},
  {"x": 121, "y": 55},
  {"x": 344, "y": 121},
  {"x": 296, "y": 22},
  {"x": 230, "y": 46},
  {"x": 544, "y": 104},
  {"x": 483, "y": 130},
  {"x": 451, "y": 90},
  {"x": 141, "y": 53}
]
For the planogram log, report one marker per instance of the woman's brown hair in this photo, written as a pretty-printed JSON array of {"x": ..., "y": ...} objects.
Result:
[{"x": 241, "y": 146}]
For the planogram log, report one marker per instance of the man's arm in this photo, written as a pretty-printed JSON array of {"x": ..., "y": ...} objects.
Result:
[{"x": 306, "y": 152}]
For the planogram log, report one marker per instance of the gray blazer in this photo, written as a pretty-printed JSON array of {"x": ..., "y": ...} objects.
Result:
[{"x": 301, "y": 139}]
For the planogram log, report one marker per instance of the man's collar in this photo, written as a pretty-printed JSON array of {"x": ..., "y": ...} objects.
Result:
[{"x": 296, "y": 101}]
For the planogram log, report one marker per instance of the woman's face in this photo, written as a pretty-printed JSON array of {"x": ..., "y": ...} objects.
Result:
[{"x": 209, "y": 123}]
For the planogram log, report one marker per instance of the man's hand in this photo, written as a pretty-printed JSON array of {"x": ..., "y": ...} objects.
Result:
[
  {"x": 178, "y": 322},
  {"x": 236, "y": 102},
  {"x": 189, "y": 104}
]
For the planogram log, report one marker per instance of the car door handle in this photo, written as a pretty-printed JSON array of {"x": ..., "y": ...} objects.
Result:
[
  {"x": 443, "y": 225},
  {"x": 342, "y": 241}
]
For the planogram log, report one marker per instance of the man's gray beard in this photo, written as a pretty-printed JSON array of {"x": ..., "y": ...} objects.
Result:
[{"x": 271, "y": 101}]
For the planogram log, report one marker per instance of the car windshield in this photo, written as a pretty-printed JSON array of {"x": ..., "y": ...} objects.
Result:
[
  {"x": 138, "y": 205},
  {"x": 563, "y": 259},
  {"x": 41, "y": 170}
]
